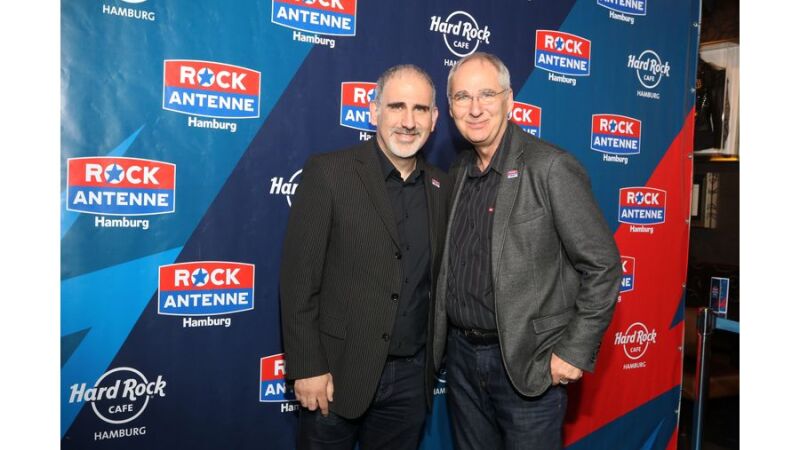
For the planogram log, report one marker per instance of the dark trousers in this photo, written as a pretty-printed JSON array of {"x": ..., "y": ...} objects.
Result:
[
  {"x": 394, "y": 420},
  {"x": 486, "y": 412}
]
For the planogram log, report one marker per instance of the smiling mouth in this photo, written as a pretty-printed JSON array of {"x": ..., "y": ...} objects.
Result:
[
  {"x": 402, "y": 134},
  {"x": 480, "y": 124}
]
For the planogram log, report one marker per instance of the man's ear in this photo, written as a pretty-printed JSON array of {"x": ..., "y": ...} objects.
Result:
[
  {"x": 510, "y": 103},
  {"x": 373, "y": 113}
]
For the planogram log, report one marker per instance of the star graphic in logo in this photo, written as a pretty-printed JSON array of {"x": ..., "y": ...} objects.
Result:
[
  {"x": 639, "y": 198},
  {"x": 113, "y": 173},
  {"x": 200, "y": 277},
  {"x": 612, "y": 126},
  {"x": 559, "y": 43},
  {"x": 206, "y": 77}
]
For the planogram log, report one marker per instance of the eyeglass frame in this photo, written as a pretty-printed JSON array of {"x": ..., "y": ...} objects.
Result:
[{"x": 485, "y": 97}]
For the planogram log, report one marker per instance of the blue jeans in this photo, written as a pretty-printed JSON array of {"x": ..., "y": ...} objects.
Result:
[
  {"x": 394, "y": 420},
  {"x": 486, "y": 412}
]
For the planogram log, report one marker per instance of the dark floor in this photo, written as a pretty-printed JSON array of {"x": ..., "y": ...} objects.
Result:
[{"x": 721, "y": 426}]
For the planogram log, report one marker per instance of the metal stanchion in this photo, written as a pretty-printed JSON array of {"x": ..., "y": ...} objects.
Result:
[{"x": 705, "y": 326}]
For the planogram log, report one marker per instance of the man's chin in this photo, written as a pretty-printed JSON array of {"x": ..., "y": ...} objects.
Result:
[
  {"x": 476, "y": 139},
  {"x": 402, "y": 151}
]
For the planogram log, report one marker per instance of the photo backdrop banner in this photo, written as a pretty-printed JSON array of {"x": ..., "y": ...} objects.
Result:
[{"x": 185, "y": 126}]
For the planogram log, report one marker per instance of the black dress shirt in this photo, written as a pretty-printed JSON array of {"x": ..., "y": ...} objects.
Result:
[
  {"x": 470, "y": 292},
  {"x": 410, "y": 208}
]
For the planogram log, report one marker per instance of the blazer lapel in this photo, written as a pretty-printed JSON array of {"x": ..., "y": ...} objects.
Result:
[
  {"x": 369, "y": 171},
  {"x": 441, "y": 285},
  {"x": 432, "y": 195},
  {"x": 461, "y": 175},
  {"x": 511, "y": 171}
]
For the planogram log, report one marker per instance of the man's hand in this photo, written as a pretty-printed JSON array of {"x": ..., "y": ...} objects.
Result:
[
  {"x": 315, "y": 391},
  {"x": 563, "y": 372}
]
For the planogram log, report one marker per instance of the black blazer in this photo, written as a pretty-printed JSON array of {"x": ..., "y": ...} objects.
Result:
[{"x": 340, "y": 270}]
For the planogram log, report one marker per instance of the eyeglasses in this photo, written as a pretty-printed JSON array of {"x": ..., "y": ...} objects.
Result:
[{"x": 485, "y": 98}]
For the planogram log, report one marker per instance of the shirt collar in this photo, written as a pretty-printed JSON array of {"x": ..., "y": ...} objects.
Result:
[
  {"x": 388, "y": 169},
  {"x": 497, "y": 158}
]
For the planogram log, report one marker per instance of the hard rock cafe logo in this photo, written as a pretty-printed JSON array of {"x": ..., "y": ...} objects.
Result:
[
  {"x": 635, "y": 340},
  {"x": 461, "y": 33}
]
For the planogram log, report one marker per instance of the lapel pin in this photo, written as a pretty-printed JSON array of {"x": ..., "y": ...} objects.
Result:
[
  {"x": 513, "y": 173},
  {"x": 435, "y": 182}
]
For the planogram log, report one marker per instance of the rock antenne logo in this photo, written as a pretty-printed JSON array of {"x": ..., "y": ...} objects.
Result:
[
  {"x": 331, "y": 17},
  {"x": 354, "y": 112},
  {"x": 273, "y": 380},
  {"x": 642, "y": 205},
  {"x": 615, "y": 134},
  {"x": 628, "y": 273},
  {"x": 119, "y": 186},
  {"x": 562, "y": 53},
  {"x": 528, "y": 117},
  {"x": 205, "y": 288},
  {"x": 632, "y": 7},
  {"x": 211, "y": 89}
]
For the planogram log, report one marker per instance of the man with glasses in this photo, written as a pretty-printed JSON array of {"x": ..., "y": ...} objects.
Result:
[
  {"x": 530, "y": 272},
  {"x": 361, "y": 255}
]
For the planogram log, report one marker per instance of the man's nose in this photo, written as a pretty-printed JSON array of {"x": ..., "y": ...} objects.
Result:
[
  {"x": 475, "y": 108},
  {"x": 407, "y": 120}
]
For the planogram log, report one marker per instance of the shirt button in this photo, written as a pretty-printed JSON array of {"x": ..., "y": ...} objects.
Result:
[{"x": 385, "y": 337}]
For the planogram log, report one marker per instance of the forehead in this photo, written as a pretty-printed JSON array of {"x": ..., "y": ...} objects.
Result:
[
  {"x": 475, "y": 74},
  {"x": 407, "y": 86}
]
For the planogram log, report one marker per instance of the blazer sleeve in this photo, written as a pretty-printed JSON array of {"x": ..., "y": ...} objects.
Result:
[
  {"x": 591, "y": 250},
  {"x": 301, "y": 273}
]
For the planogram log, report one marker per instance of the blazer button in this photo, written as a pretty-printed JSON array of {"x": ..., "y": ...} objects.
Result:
[
  {"x": 398, "y": 255},
  {"x": 395, "y": 297},
  {"x": 385, "y": 337}
]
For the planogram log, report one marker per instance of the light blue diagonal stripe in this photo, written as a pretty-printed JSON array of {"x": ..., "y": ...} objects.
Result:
[
  {"x": 108, "y": 302},
  {"x": 69, "y": 342},
  {"x": 648, "y": 444}
]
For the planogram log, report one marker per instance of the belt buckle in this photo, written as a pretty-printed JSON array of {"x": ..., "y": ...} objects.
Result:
[{"x": 479, "y": 337}]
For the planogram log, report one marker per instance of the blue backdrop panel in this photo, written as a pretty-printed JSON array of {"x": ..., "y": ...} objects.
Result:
[{"x": 235, "y": 97}]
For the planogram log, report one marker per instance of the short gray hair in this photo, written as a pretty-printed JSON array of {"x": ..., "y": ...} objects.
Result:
[
  {"x": 503, "y": 76},
  {"x": 395, "y": 70}
]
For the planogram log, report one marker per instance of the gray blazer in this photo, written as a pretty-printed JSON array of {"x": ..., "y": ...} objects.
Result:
[
  {"x": 340, "y": 272},
  {"x": 555, "y": 266}
]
